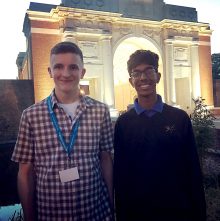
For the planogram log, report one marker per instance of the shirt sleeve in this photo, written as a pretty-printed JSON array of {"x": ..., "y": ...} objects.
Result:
[
  {"x": 24, "y": 147},
  {"x": 106, "y": 139}
]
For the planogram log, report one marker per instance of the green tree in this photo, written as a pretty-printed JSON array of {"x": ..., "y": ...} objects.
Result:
[{"x": 203, "y": 126}]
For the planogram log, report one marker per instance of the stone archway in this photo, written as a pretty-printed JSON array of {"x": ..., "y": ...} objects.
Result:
[{"x": 124, "y": 93}]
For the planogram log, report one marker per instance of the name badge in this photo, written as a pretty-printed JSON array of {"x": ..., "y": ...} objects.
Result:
[{"x": 69, "y": 175}]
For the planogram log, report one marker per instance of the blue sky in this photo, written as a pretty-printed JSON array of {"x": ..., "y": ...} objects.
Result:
[{"x": 13, "y": 41}]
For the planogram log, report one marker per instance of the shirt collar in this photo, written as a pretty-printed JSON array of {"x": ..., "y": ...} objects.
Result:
[
  {"x": 158, "y": 106},
  {"x": 84, "y": 100},
  {"x": 53, "y": 99}
]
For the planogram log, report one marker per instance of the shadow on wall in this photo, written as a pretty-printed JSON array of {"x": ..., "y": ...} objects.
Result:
[{"x": 15, "y": 96}]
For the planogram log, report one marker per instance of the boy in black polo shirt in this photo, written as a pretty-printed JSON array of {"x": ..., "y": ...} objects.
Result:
[{"x": 157, "y": 171}]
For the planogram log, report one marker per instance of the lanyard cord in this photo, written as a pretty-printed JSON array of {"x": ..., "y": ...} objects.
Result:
[{"x": 68, "y": 147}]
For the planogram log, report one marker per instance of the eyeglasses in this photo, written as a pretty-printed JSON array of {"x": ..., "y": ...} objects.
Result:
[{"x": 148, "y": 72}]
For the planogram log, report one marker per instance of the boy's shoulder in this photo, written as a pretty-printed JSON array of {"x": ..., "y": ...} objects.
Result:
[
  {"x": 175, "y": 114},
  {"x": 127, "y": 115},
  {"x": 168, "y": 109},
  {"x": 93, "y": 102},
  {"x": 39, "y": 106}
]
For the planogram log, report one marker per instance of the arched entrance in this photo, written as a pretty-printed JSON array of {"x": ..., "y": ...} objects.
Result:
[{"x": 124, "y": 93}]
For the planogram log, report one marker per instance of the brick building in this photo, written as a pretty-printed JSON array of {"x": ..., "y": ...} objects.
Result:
[{"x": 108, "y": 31}]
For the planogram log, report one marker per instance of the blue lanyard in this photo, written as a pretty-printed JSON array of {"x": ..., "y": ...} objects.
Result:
[{"x": 67, "y": 147}]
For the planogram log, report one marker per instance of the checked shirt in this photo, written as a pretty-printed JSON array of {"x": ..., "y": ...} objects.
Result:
[{"x": 83, "y": 199}]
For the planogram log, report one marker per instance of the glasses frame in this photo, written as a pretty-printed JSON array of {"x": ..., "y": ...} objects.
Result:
[{"x": 148, "y": 72}]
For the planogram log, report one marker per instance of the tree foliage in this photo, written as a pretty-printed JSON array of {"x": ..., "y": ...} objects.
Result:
[{"x": 203, "y": 125}]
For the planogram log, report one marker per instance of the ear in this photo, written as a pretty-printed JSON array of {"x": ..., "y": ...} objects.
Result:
[
  {"x": 158, "y": 77},
  {"x": 131, "y": 82},
  {"x": 83, "y": 73},
  {"x": 49, "y": 71}
]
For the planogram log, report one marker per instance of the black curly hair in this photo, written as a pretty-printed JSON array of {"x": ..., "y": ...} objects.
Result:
[{"x": 142, "y": 57}]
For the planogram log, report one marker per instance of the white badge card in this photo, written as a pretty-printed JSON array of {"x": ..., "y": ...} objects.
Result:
[{"x": 69, "y": 175}]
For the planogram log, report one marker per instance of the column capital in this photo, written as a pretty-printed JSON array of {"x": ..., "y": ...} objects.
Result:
[
  {"x": 169, "y": 41},
  {"x": 106, "y": 37},
  {"x": 69, "y": 35},
  {"x": 195, "y": 44}
]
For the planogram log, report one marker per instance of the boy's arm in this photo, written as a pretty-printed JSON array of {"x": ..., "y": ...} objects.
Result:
[
  {"x": 26, "y": 187},
  {"x": 107, "y": 172}
]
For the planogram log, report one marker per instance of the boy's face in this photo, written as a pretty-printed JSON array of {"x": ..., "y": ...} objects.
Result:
[
  {"x": 144, "y": 79},
  {"x": 66, "y": 69}
]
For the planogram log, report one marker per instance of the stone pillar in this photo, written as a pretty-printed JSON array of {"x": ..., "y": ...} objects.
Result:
[
  {"x": 108, "y": 79},
  {"x": 108, "y": 71},
  {"x": 195, "y": 76},
  {"x": 170, "y": 78}
]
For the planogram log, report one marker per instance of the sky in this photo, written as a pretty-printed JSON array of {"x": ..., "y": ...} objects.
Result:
[{"x": 12, "y": 40}]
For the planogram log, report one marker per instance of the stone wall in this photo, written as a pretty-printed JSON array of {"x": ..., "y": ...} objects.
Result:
[
  {"x": 216, "y": 90},
  {"x": 15, "y": 96}
]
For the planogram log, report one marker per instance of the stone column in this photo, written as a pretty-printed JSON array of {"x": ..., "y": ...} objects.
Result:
[
  {"x": 108, "y": 75},
  {"x": 170, "y": 78},
  {"x": 108, "y": 79},
  {"x": 195, "y": 76}
]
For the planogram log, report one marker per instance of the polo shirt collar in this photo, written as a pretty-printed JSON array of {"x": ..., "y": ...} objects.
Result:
[{"x": 158, "y": 106}]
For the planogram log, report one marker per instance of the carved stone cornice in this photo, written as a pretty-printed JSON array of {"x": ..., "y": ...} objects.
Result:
[
  {"x": 186, "y": 28},
  {"x": 86, "y": 25},
  {"x": 85, "y": 14}
]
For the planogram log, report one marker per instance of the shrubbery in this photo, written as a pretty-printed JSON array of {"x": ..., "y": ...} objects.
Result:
[{"x": 204, "y": 130}]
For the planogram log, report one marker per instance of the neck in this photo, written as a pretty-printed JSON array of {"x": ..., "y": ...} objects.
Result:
[
  {"x": 147, "y": 102},
  {"x": 67, "y": 98}
]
